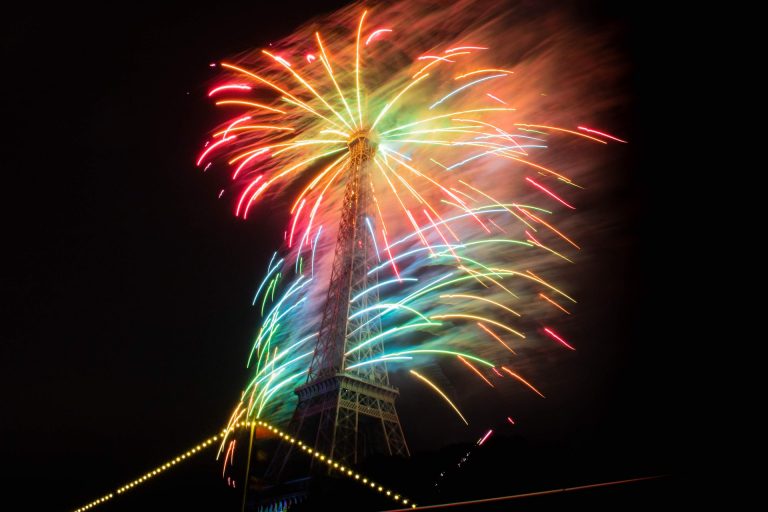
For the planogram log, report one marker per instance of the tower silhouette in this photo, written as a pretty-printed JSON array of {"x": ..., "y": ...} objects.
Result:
[{"x": 346, "y": 408}]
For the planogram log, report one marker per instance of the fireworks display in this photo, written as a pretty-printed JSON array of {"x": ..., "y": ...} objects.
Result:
[{"x": 474, "y": 178}]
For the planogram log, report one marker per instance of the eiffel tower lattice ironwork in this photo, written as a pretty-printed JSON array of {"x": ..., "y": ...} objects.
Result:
[{"x": 347, "y": 411}]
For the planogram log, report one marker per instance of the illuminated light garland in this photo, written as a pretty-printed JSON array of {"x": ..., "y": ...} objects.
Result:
[{"x": 244, "y": 424}]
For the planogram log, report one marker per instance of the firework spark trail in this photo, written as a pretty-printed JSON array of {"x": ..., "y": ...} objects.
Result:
[{"x": 475, "y": 170}]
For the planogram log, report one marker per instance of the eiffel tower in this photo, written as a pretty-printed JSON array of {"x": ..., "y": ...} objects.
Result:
[
  {"x": 345, "y": 409},
  {"x": 348, "y": 410}
]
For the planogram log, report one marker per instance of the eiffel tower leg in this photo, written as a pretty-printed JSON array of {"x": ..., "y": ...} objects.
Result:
[
  {"x": 395, "y": 438},
  {"x": 326, "y": 433}
]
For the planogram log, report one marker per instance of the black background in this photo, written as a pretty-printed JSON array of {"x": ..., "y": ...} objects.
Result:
[{"x": 126, "y": 284}]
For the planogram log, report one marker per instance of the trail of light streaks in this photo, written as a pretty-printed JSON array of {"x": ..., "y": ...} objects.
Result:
[
  {"x": 495, "y": 336},
  {"x": 440, "y": 392},
  {"x": 357, "y": 69},
  {"x": 454, "y": 257},
  {"x": 525, "y": 382},
  {"x": 602, "y": 134},
  {"x": 249, "y": 104},
  {"x": 376, "y": 33},
  {"x": 476, "y": 371},
  {"x": 453, "y": 93},
  {"x": 549, "y": 192},
  {"x": 478, "y": 71},
  {"x": 558, "y": 306},
  {"x": 230, "y": 87},
  {"x": 482, "y": 319},
  {"x": 484, "y": 299},
  {"x": 558, "y": 338}
]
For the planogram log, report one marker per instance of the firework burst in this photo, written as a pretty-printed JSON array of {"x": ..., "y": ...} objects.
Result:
[{"x": 466, "y": 191}]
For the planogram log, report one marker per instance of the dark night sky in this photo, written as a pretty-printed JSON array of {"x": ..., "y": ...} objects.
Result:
[{"x": 126, "y": 284}]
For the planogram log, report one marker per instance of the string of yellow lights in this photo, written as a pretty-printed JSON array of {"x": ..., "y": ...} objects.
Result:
[{"x": 332, "y": 464}]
